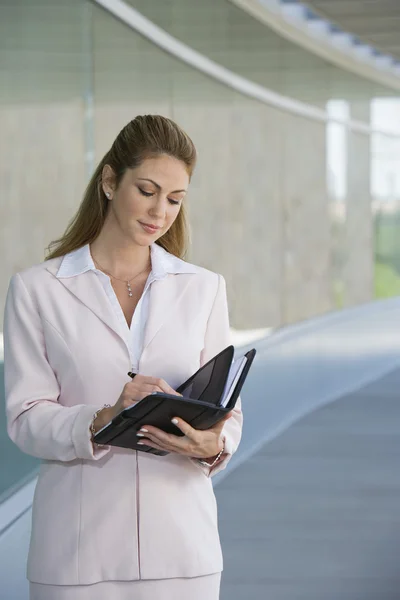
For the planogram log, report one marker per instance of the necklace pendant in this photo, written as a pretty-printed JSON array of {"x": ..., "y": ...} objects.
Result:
[{"x": 129, "y": 289}]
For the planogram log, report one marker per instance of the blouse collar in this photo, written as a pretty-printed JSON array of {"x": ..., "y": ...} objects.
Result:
[{"x": 162, "y": 263}]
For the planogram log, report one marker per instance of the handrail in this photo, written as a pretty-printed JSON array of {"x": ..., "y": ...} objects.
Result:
[
  {"x": 17, "y": 502},
  {"x": 135, "y": 20}
]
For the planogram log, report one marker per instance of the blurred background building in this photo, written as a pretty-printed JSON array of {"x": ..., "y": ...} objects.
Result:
[
  {"x": 299, "y": 154},
  {"x": 294, "y": 108}
]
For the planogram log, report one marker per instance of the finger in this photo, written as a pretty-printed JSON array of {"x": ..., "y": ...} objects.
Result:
[
  {"x": 163, "y": 385},
  {"x": 181, "y": 448},
  {"x": 159, "y": 385},
  {"x": 151, "y": 444},
  {"x": 167, "y": 389},
  {"x": 187, "y": 429},
  {"x": 151, "y": 389},
  {"x": 161, "y": 437},
  {"x": 143, "y": 391},
  {"x": 136, "y": 389}
]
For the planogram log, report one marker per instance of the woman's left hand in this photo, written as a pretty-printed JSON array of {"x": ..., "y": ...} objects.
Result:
[{"x": 195, "y": 443}]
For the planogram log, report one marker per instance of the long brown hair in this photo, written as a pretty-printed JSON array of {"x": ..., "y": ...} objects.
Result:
[{"x": 144, "y": 137}]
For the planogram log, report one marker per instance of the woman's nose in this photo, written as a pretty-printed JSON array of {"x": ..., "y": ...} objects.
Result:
[{"x": 159, "y": 208}]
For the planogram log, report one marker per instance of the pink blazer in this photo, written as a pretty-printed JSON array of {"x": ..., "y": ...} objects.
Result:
[{"x": 109, "y": 513}]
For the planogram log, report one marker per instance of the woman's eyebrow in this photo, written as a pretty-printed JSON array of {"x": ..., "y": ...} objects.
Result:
[{"x": 159, "y": 186}]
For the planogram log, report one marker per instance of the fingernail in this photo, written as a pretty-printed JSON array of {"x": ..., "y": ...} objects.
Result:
[
  {"x": 175, "y": 421},
  {"x": 140, "y": 434},
  {"x": 140, "y": 443},
  {"x": 144, "y": 430}
]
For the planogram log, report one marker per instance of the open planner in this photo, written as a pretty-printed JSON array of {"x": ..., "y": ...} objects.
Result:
[{"x": 206, "y": 397}]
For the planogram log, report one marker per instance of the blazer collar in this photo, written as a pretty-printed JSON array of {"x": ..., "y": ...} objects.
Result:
[{"x": 76, "y": 271}]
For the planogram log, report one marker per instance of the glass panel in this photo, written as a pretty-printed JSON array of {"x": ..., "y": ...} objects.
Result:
[
  {"x": 385, "y": 185},
  {"x": 14, "y": 465},
  {"x": 336, "y": 174}
]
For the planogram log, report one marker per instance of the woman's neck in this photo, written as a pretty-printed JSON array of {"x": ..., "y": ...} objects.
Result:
[{"x": 123, "y": 259}]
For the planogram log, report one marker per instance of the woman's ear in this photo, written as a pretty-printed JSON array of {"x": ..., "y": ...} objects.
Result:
[{"x": 108, "y": 181}]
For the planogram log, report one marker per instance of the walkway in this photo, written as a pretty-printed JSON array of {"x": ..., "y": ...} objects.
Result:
[{"x": 315, "y": 514}]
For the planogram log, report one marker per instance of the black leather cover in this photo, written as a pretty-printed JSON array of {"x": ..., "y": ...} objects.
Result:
[{"x": 198, "y": 405}]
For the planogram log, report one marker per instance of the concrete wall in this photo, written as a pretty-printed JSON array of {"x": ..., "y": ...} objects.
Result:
[{"x": 258, "y": 201}]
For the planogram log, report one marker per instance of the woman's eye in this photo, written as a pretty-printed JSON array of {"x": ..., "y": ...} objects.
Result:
[{"x": 147, "y": 194}]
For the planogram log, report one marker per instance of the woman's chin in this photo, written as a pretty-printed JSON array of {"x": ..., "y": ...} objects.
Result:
[{"x": 143, "y": 239}]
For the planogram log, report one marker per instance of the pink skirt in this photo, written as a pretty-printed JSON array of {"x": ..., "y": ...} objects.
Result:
[{"x": 193, "y": 588}]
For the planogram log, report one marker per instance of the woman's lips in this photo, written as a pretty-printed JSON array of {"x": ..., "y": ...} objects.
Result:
[{"x": 149, "y": 228}]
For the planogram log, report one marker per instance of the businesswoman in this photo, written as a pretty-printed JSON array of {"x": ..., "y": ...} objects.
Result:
[{"x": 114, "y": 295}]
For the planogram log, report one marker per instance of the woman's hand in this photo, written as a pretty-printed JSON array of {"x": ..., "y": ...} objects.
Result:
[
  {"x": 195, "y": 443},
  {"x": 135, "y": 390}
]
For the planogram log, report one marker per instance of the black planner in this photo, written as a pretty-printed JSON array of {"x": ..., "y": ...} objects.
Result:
[{"x": 206, "y": 397}]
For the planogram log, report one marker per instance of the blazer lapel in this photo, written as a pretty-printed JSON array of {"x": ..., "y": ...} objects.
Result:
[
  {"x": 88, "y": 289},
  {"x": 165, "y": 299}
]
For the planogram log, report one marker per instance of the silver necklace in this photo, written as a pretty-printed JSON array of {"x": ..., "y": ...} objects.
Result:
[{"x": 127, "y": 281}]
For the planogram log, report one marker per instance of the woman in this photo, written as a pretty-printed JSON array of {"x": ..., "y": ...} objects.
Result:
[{"x": 114, "y": 296}]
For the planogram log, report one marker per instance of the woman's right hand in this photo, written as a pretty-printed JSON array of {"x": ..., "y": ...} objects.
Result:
[
  {"x": 133, "y": 391},
  {"x": 137, "y": 389}
]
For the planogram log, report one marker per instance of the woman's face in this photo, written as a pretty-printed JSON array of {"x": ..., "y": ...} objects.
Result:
[{"x": 148, "y": 198}]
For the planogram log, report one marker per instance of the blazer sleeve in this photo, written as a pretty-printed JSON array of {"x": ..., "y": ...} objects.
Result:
[
  {"x": 37, "y": 423},
  {"x": 218, "y": 337}
]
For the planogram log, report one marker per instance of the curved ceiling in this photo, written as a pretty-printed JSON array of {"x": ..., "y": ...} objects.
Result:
[
  {"x": 298, "y": 22},
  {"x": 376, "y": 23},
  {"x": 231, "y": 34}
]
